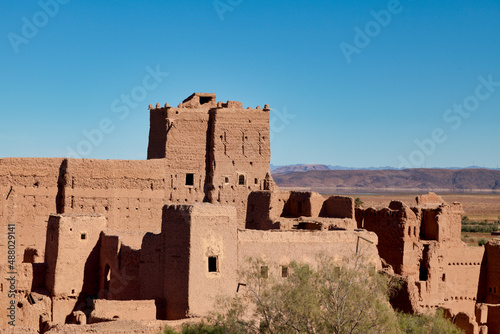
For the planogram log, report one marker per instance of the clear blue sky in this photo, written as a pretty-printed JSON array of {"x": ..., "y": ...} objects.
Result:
[{"x": 346, "y": 89}]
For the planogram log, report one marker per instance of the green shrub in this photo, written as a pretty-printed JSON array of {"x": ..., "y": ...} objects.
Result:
[
  {"x": 479, "y": 227},
  {"x": 202, "y": 328},
  {"x": 426, "y": 324},
  {"x": 332, "y": 298},
  {"x": 482, "y": 242}
]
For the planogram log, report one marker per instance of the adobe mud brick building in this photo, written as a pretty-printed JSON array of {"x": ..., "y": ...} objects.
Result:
[{"x": 98, "y": 240}]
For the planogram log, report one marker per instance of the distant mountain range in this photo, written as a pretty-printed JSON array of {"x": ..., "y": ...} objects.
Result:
[
  {"x": 307, "y": 167},
  {"x": 421, "y": 179}
]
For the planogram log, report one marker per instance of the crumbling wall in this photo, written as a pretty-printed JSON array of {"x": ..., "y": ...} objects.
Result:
[
  {"x": 449, "y": 222},
  {"x": 493, "y": 272},
  {"x": 152, "y": 271},
  {"x": 28, "y": 195},
  {"x": 279, "y": 248},
  {"x": 303, "y": 203},
  {"x": 264, "y": 209},
  {"x": 72, "y": 257},
  {"x": 129, "y": 193},
  {"x": 119, "y": 272},
  {"x": 108, "y": 310},
  {"x": 452, "y": 276},
  {"x": 397, "y": 231},
  {"x": 338, "y": 207},
  {"x": 429, "y": 199}
]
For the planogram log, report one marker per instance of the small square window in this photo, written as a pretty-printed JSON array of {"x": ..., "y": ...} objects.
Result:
[
  {"x": 83, "y": 236},
  {"x": 189, "y": 179},
  {"x": 212, "y": 264}
]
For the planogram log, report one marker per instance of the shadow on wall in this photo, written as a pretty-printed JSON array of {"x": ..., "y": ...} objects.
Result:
[
  {"x": 483, "y": 280},
  {"x": 90, "y": 287}
]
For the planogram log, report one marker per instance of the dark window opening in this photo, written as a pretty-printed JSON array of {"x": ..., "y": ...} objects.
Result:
[
  {"x": 489, "y": 289},
  {"x": 444, "y": 278},
  {"x": 83, "y": 236},
  {"x": 429, "y": 227},
  {"x": 264, "y": 272},
  {"x": 284, "y": 271},
  {"x": 256, "y": 180},
  {"x": 409, "y": 231},
  {"x": 241, "y": 180},
  {"x": 189, "y": 179},
  {"x": 309, "y": 226},
  {"x": 205, "y": 99},
  {"x": 424, "y": 271},
  {"x": 30, "y": 254},
  {"x": 212, "y": 264},
  {"x": 226, "y": 180}
]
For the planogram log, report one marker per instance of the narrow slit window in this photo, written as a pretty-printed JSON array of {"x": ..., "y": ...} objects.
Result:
[
  {"x": 212, "y": 264},
  {"x": 189, "y": 179}
]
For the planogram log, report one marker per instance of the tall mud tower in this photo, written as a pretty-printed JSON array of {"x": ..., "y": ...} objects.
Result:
[{"x": 215, "y": 152}]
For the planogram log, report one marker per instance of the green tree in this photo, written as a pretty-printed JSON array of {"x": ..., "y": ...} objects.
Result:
[
  {"x": 358, "y": 203},
  {"x": 345, "y": 298},
  {"x": 426, "y": 324},
  {"x": 348, "y": 298}
]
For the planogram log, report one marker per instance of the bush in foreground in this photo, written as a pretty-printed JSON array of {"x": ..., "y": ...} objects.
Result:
[{"x": 347, "y": 299}]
